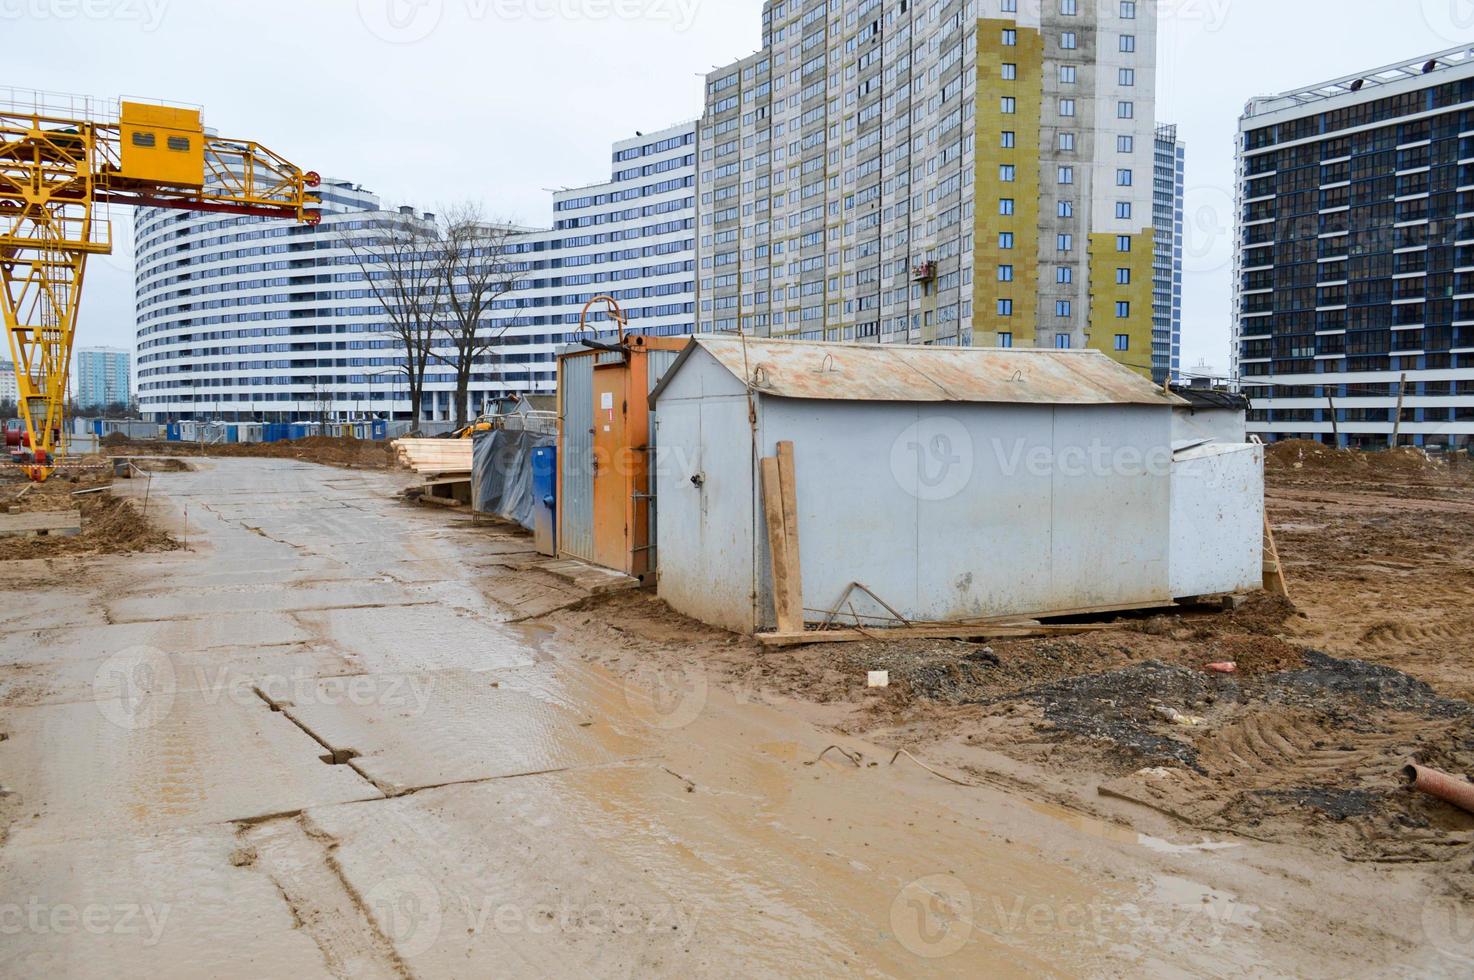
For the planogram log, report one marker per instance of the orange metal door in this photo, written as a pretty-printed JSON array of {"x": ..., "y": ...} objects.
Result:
[{"x": 611, "y": 473}]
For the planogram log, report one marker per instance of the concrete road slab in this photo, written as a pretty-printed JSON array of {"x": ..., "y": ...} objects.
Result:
[
  {"x": 419, "y": 638},
  {"x": 235, "y": 671},
  {"x": 150, "y": 761},
  {"x": 171, "y": 905},
  {"x": 172, "y": 636},
  {"x": 406, "y": 732},
  {"x": 185, "y": 601}
]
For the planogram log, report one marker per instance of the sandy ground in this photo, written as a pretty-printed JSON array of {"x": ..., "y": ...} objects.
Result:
[{"x": 338, "y": 735}]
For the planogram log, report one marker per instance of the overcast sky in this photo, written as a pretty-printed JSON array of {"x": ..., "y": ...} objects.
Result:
[{"x": 436, "y": 101}]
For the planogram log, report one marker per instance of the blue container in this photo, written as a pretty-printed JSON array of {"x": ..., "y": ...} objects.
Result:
[
  {"x": 173, "y": 432},
  {"x": 275, "y": 432},
  {"x": 545, "y": 500},
  {"x": 232, "y": 434},
  {"x": 381, "y": 430}
]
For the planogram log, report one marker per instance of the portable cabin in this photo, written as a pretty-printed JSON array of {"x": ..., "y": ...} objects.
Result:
[
  {"x": 605, "y": 512},
  {"x": 954, "y": 484}
]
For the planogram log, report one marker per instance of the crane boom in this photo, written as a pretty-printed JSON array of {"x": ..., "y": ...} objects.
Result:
[{"x": 58, "y": 173}]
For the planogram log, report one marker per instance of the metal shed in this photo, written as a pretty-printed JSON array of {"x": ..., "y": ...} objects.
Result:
[
  {"x": 605, "y": 512},
  {"x": 954, "y": 483}
]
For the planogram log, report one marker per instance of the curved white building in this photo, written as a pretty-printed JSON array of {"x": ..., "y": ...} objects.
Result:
[{"x": 250, "y": 319}]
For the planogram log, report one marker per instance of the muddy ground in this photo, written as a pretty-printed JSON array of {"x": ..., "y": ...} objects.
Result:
[
  {"x": 111, "y": 524},
  {"x": 1303, "y": 745}
]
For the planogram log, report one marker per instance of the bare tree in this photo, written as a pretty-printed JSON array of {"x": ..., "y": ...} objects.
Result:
[
  {"x": 402, "y": 262},
  {"x": 480, "y": 266}
]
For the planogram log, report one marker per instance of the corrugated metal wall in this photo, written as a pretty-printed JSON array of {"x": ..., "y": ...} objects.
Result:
[{"x": 576, "y": 494}]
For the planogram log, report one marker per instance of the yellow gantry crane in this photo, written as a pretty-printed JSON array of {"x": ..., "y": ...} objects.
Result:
[{"x": 60, "y": 167}]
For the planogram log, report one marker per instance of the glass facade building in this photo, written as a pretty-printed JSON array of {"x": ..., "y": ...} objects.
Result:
[
  {"x": 101, "y": 378},
  {"x": 1168, "y": 204},
  {"x": 1355, "y": 259}
]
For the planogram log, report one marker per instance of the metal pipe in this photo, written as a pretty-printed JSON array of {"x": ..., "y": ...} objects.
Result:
[{"x": 1450, "y": 789}]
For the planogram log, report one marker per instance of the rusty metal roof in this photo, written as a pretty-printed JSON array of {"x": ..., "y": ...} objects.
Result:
[{"x": 898, "y": 373}]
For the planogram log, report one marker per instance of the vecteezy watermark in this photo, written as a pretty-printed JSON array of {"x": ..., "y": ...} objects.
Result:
[
  {"x": 667, "y": 698},
  {"x": 933, "y": 459},
  {"x": 408, "y": 911},
  {"x": 932, "y": 917},
  {"x": 937, "y": 459},
  {"x": 38, "y": 918},
  {"x": 135, "y": 688},
  {"x": 1451, "y": 20},
  {"x": 1448, "y": 925},
  {"x": 412, "y": 912},
  {"x": 147, "y": 14},
  {"x": 935, "y": 916},
  {"x": 411, "y": 21}
]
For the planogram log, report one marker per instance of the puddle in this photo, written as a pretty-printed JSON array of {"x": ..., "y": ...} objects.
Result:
[{"x": 1117, "y": 834}]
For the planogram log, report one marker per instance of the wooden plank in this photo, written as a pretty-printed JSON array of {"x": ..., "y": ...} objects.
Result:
[
  {"x": 803, "y": 638},
  {"x": 63, "y": 523},
  {"x": 1274, "y": 569},
  {"x": 790, "y": 619},
  {"x": 788, "y": 480}
]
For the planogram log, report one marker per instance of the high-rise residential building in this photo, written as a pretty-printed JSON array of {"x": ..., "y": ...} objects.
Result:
[
  {"x": 102, "y": 377},
  {"x": 257, "y": 319},
  {"x": 9, "y": 390},
  {"x": 959, "y": 172},
  {"x": 1355, "y": 260},
  {"x": 1168, "y": 204}
]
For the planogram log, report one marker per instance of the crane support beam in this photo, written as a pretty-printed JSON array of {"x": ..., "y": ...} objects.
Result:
[{"x": 57, "y": 173}]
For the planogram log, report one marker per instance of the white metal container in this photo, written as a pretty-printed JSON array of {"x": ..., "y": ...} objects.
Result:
[{"x": 953, "y": 483}]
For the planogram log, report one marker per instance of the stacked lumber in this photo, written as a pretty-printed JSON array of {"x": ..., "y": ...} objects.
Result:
[{"x": 436, "y": 458}]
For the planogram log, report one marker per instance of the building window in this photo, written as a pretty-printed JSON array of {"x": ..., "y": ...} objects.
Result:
[
  {"x": 1127, "y": 76},
  {"x": 1068, "y": 41},
  {"x": 1009, "y": 139},
  {"x": 1005, "y": 240},
  {"x": 1009, "y": 105},
  {"x": 1064, "y": 274},
  {"x": 1005, "y": 273},
  {"x": 1069, "y": 8},
  {"x": 1123, "y": 342},
  {"x": 1063, "y": 309},
  {"x": 1125, "y": 144},
  {"x": 1005, "y": 307},
  {"x": 1006, "y": 173},
  {"x": 1067, "y": 107},
  {"x": 1062, "y": 341},
  {"x": 1010, "y": 38},
  {"x": 1066, "y": 209},
  {"x": 1123, "y": 178},
  {"x": 1005, "y": 206},
  {"x": 1128, "y": 9},
  {"x": 1005, "y": 340},
  {"x": 1123, "y": 243},
  {"x": 1123, "y": 310},
  {"x": 1128, "y": 43},
  {"x": 1123, "y": 210},
  {"x": 1125, "y": 110},
  {"x": 1066, "y": 175},
  {"x": 1123, "y": 277},
  {"x": 1067, "y": 142},
  {"x": 1067, "y": 74},
  {"x": 1010, "y": 72}
]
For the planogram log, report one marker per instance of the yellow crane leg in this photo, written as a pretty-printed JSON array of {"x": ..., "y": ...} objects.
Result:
[{"x": 41, "y": 290}]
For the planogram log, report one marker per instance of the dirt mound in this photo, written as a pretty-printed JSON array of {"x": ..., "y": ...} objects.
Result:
[
  {"x": 1301, "y": 461},
  {"x": 114, "y": 439},
  {"x": 345, "y": 452},
  {"x": 110, "y": 525}
]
